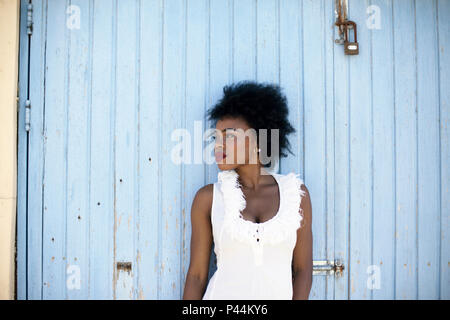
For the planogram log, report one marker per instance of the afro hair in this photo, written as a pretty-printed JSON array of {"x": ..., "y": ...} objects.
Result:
[{"x": 261, "y": 105}]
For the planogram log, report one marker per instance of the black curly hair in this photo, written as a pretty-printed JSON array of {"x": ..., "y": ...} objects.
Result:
[{"x": 261, "y": 105}]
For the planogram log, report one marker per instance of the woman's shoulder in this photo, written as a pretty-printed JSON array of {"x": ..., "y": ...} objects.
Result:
[
  {"x": 294, "y": 180},
  {"x": 290, "y": 176},
  {"x": 203, "y": 198},
  {"x": 205, "y": 193}
]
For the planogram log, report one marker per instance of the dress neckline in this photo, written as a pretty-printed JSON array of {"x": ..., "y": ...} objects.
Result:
[
  {"x": 274, "y": 230},
  {"x": 277, "y": 214}
]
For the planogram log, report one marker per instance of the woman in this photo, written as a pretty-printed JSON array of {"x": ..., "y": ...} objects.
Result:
[{"x": 260, "y": 222}]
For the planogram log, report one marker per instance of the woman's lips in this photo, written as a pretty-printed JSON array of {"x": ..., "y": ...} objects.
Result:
[{"x": 220, "y": 156}]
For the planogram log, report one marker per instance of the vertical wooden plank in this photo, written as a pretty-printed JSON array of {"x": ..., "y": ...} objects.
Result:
[
  {"x": 267, "y": 41},
  {"x": 125, "y": 148},
  {"x": 405, "y": 150},
  {"x": 34, "y": 216},
  {"x": 149, "y": 144},
  {"x": 78, "y": 15},
  {"x": 22, "y": 158},
  {"x": 291, "y": 79},
  {"x": 221, "y": 59},
  {"x": 315, "y": 139},
  {"x": 329, "y": 236},
  {"x": 443, "y": 24},
  {"x": 428, "y": 183},
  {"x": 342, "y": 166},
  {"x": 361, "y": 139},
  {"x": 224, "y": 57},
  {"x": 173, "y": 94},
  {"x": 55, "y": 153},
  {"x": 137, "y": 137},
  {"x": 101, "y": 221},
  {"x": 243, "y": 47},
  {"x": 383, "y": 113},
  {"x": 195, "y": 102}
]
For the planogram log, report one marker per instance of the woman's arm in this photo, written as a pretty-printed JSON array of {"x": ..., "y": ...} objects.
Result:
[
  {"x": 201, "y": 243},
  {"x": 302, "y": 264}
]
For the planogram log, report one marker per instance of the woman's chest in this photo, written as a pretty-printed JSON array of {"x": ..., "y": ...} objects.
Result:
[{"x": 261, "y": 206}]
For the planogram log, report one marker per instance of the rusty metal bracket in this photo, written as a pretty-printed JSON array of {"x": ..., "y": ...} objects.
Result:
[
  {"x": 344, "y": 27},
  {"x": 124, "y": 266},
  {"x": 340, "y": 11}
]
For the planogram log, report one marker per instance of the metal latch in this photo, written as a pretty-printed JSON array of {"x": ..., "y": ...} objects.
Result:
[
  {"x": 325, "y": 268},
  {"x": 27, "y": 115},
  {"x": 30, "y": 19}
]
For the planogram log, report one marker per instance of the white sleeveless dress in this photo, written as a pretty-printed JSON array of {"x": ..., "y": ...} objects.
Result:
[{"x": 254, "y": 260}]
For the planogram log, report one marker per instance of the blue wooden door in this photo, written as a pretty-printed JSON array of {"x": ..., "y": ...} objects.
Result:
[{"x": 104, "y": 213}]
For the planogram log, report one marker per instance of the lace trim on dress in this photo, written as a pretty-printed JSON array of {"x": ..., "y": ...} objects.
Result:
[{"x": 276, "y": 229}]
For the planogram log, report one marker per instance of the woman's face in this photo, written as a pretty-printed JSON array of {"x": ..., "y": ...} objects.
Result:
[{"x": 235, "y": 143}]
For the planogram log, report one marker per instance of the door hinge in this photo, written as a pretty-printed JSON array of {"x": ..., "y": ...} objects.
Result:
[
  {"x": 325, "y": 267},
  {"x": 30, "y": 18},
  {"x": 27, "y": 115}
]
